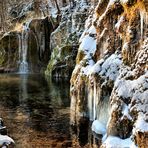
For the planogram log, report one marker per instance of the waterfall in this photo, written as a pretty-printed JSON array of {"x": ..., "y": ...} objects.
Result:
[{"x": 23, "y": 47}]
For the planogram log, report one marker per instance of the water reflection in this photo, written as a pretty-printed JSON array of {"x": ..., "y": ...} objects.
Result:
[
  {"x": 36, "y": 113},
  {"x": 23, "y": 87},
  {"x": 83, "y": 135}
]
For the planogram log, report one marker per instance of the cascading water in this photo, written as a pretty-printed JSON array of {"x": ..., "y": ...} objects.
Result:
[{"x": 23, "y": 47}]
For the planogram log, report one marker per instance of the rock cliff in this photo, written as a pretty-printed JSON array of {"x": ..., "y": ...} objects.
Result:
[
  {"x": 64, "y": 40},
  {"x": 109, "y": 83}
]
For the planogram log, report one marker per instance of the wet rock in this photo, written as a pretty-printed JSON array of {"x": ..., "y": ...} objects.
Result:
[{"x": 9, "y": 52}]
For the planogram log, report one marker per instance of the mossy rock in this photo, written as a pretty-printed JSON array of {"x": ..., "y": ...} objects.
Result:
[{"x": 62, "y": 61}]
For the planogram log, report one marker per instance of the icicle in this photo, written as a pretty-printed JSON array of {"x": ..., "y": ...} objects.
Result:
[
  {"x": 90, "y": 104},
  {"x": 141, "y": 22},
  {"x": 146, "y": 19},
  {"x": 102, "y": 113},
  {"x": 92, "y": 101},
  {"x": 143, "y": 19},
  {"x": 95, "y": 101}
]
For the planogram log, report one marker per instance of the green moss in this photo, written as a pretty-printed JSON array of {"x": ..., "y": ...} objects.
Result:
[{"x": 59, "y": 58}]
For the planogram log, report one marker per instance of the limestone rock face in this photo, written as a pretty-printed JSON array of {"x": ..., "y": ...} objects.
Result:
[
  {"x": 65, "y": 40},
  {"x": 39, "y": 44},
  {"x": 9, "y": 52},
  {"x": 111, "y": 72}
]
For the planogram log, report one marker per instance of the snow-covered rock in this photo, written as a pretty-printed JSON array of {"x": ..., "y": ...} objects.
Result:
[
  {"x": 116, "y": 142},
  {"x": 112, "y": 65},
  {"x": 5, "y": 141},
  {"x": 98, "y": 127}
]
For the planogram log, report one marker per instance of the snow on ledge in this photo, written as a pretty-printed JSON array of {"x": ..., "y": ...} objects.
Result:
[
  {"x": 5, "y": 139},
  {"x": 98, "y": 127},
  {"x": 116, "y": 142},
  {"x": 141, "y": 124}
]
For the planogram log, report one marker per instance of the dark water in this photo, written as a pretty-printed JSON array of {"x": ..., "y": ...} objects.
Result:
[{"x": 36, "y": 113}]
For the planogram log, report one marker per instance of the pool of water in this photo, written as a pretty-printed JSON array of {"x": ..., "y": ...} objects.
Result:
[{"x": 36, "y": 112}]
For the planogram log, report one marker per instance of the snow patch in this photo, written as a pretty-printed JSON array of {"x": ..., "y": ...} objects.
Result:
[
  {"x": 124, "y": 88},
  {"x": 124, "y": 1},
  {"x": 98, "y": 127},
  {"x": 85, "y": 70},
  {"x": 125, "y": 112},
  {"x": 5, "y": 139},
  {"x": 88, "y": 40},
  {"x": 97, "y": 67},
  {"x": 111, "y": 66},
  {"x": 111, "y": 2},
  {"x": 88, "y": 44},
  {"x": 140, "y": 125},
  {"x": 116, "y": 142}
]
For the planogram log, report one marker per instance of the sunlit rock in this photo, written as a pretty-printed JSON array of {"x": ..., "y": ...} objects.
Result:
[{"x": 116, "y": 70}]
